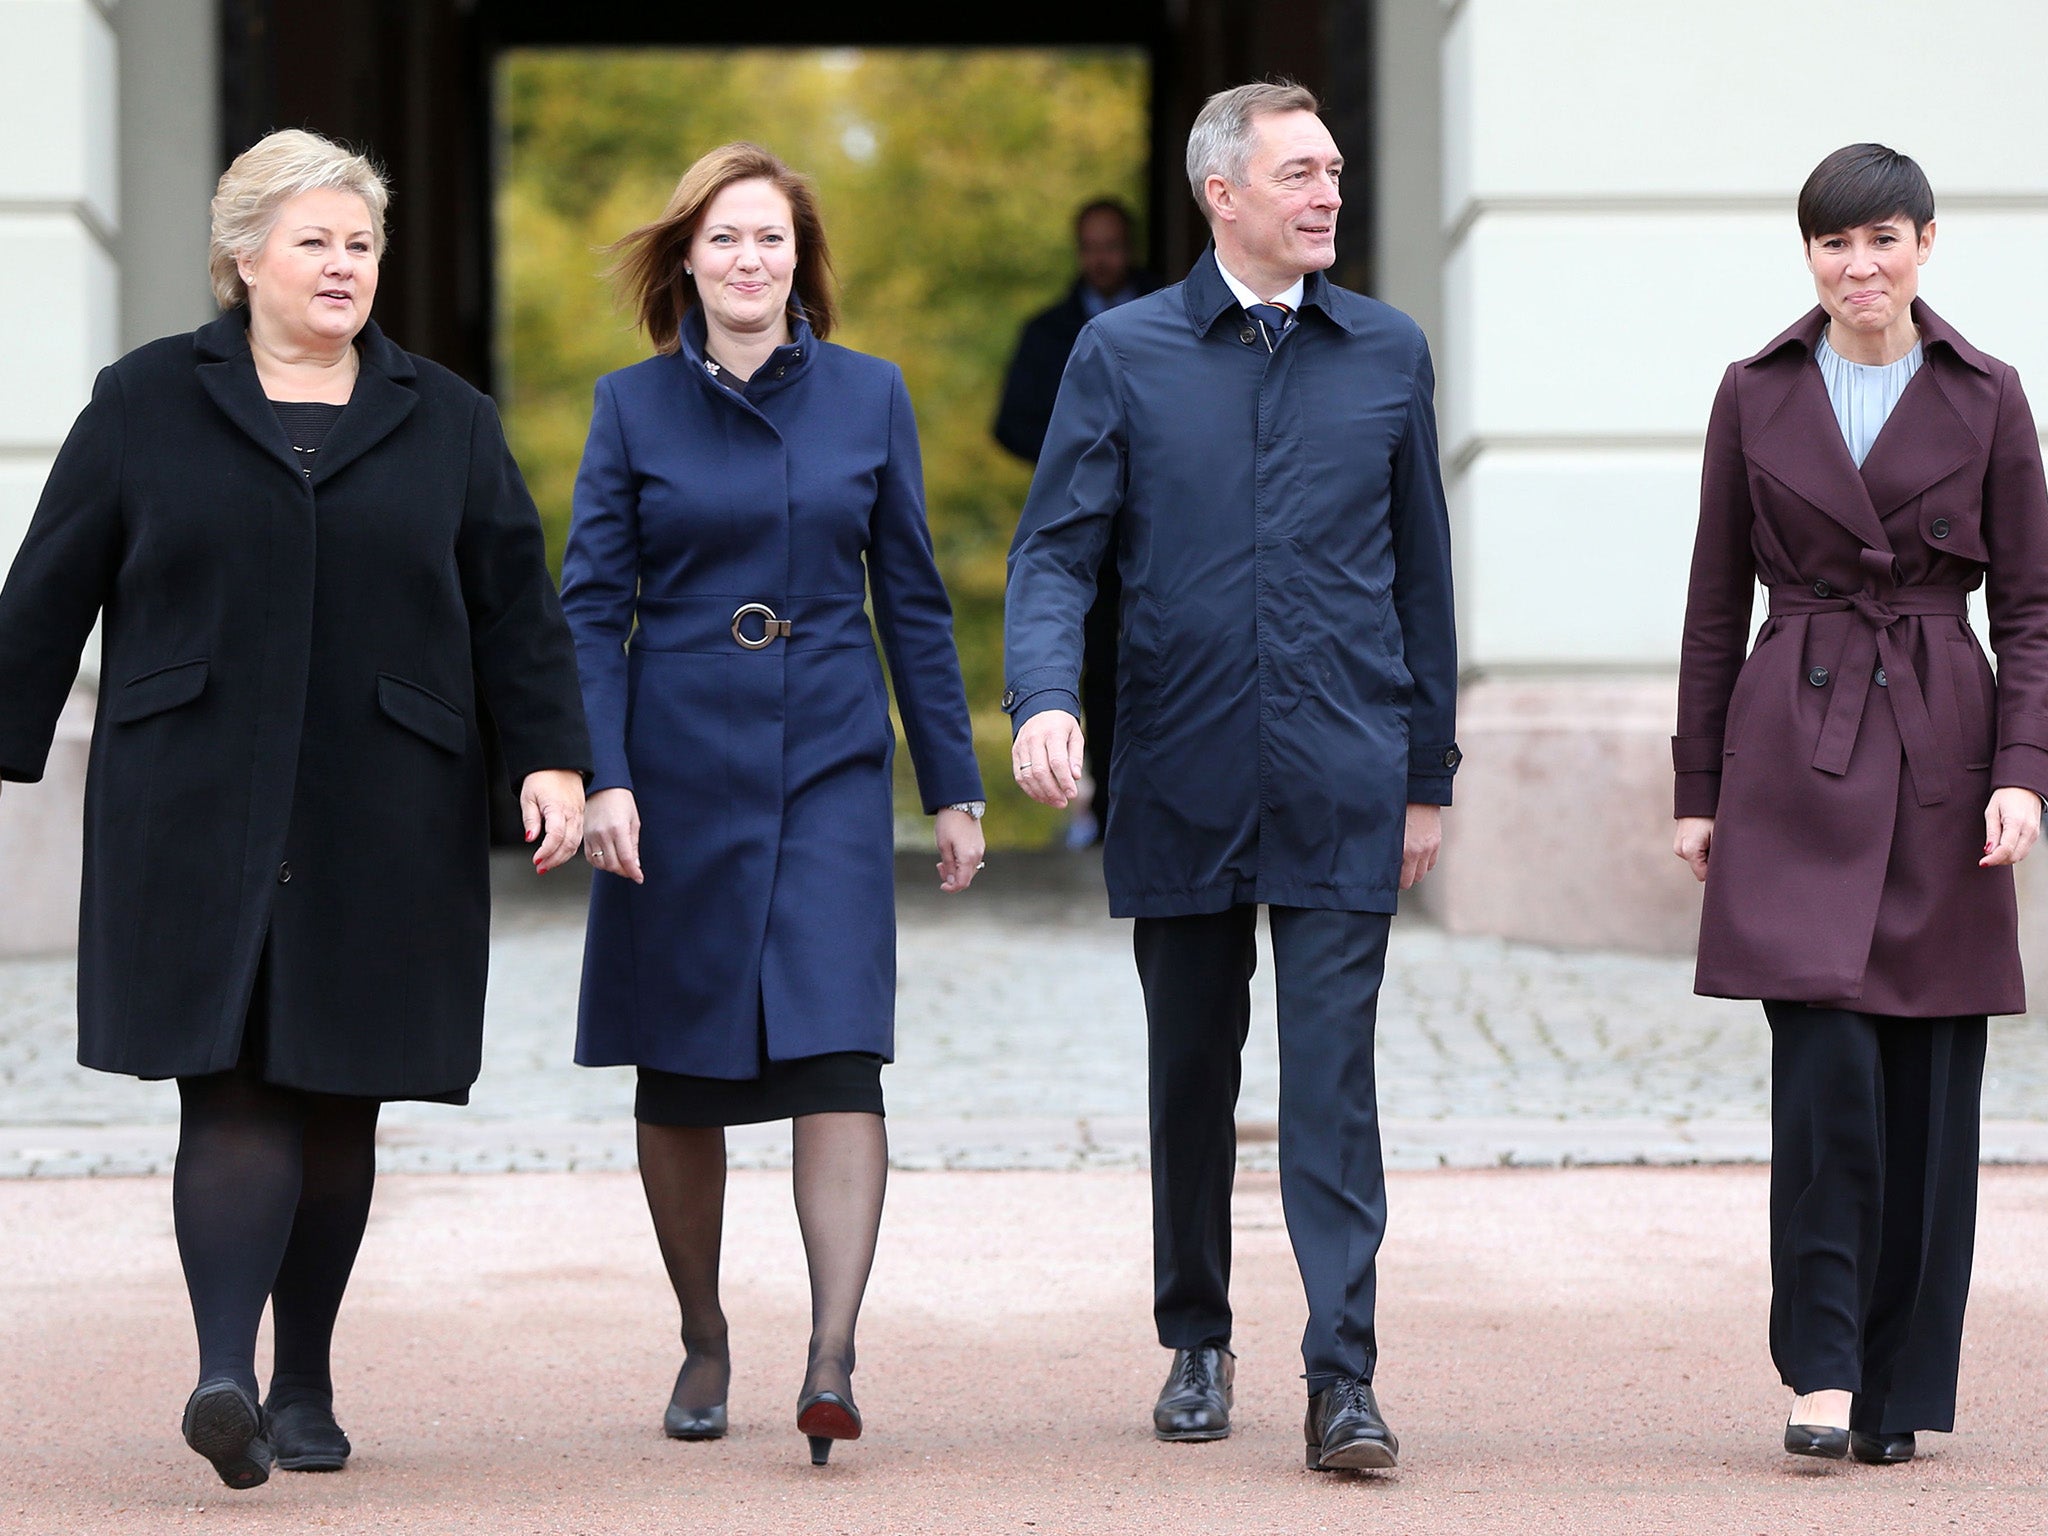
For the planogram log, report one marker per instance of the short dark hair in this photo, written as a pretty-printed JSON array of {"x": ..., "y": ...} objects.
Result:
[
  {"x": 1115, "y": 205},
  {"x": 1863, "y": 184}
]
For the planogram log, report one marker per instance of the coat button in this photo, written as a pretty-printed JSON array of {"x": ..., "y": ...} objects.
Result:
[
  {"x": 1822, "y": 589},
  {"x": 284, "y": 873},
  {"x": 1881, "y": 680},
  {"x": 1818, "y": 677},
  {"x": 780, "y": 372},
  {"x": 1009, "y": 698},
  {"x": 1453, "y": 757},
  {"x": 1939, "y": 528},
  {"x": 1247, "y": 335}
]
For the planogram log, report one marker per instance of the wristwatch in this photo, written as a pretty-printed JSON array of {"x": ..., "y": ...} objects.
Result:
[{"x": 975, "y": 808}]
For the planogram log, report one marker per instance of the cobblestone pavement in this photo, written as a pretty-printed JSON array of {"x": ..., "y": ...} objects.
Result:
[{"x": 1020, "y": 1043}]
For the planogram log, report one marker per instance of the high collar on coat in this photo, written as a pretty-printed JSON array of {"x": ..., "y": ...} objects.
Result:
[
  {"x": 780, "y": 369},
  {"x": 1799, "y": 442},
  {"x": 1208, "y": 298},
  {"x": 384, "y": 394}
]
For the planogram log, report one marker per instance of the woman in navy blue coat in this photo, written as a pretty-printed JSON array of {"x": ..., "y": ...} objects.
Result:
[{"x": 742, "y": 492}]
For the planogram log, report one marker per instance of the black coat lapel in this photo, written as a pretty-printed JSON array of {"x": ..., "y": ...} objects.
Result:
[
  {"x": 228, "y": 373},
  {"x": 384, "y": 396}
]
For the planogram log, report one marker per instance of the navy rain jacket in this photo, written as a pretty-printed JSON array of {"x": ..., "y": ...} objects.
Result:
[{"x": 1288, "y": 680}]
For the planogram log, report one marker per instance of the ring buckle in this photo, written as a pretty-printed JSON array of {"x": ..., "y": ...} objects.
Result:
[{"x": 772, "y": 628}]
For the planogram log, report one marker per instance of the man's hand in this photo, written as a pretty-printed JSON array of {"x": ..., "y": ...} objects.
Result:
[
  {"x": 1692, "y": 841},
  {"x": 1420, "y": 842},
  {"x": 1046, "y": 757}
]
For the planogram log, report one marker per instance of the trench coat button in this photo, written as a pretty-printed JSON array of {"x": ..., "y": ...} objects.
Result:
[
  {"x": 1818, "y": 677},
  {"x": 1453, "y": 757},
  {"x": 1009, "y": 698},
  {"x": 1939, "y": 528},
  {"x": 780, "y": 372},
  {"x": 1822, "y": 589},
  {"x": 284, "y": 873},
  {"x": 1247, "y": 335},
  {"x": 1881, "y": 680}
]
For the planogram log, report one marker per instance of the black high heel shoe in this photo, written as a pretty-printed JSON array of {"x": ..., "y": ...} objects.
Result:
[
  {"x": 1822, "y": 1440},
  {"x": 825, "y": 1417},
  {"x": 680, "y": 1423}
]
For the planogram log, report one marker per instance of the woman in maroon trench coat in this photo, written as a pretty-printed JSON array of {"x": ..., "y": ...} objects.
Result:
[{"x": 1855, "y": 792}]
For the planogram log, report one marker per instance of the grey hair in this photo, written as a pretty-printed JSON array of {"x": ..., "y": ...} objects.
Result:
[
  {"x": 266, "y": 176},
  {"x": 1220, "y": 143}
]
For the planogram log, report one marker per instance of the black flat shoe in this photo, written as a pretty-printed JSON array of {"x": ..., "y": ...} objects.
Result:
[
  {"x": 825, "y": 1417},
  {"x": 1195, "y": 1402},
  {"x": 224, "y": 1424},
  {"x": 1822, "y": 1440},
  {"x": 304, "y": 1437},
  {"x": 1881, "y": 1450},
  {"x": 1345, "y": 1432}
]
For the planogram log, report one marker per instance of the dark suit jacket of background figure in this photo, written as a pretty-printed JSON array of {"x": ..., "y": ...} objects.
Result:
[
  {"x": 1848, "y": 760},
  {"x": 1289, "y": 658},
  {"x": 762, "y": 777},
  {"x": 286, "y": 752},
  {"x": 1032, "y": 382}
]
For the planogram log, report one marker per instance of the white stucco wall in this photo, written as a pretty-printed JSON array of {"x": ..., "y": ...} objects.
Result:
[{"x": 1618, "y": 180}]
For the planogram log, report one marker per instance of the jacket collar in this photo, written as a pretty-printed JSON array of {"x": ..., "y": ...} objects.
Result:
[
  {"x": 1208, "y": 298},
  {"x": 783, "y": 367},
  {"x": 1799, "y": 443},
  {"x": 384, "y": 394}
]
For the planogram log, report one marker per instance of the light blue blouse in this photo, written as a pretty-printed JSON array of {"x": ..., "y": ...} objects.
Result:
[{"x": 1863, "y": 394}]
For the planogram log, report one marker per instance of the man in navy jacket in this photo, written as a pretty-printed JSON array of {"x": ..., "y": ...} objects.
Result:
[{"x": 1261, "y": 447}]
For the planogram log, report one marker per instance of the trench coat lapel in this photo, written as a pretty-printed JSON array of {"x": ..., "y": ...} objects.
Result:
[
  {"x": 383, "y": 398},
  {"x": 228, "y": 373},
  {"x": 1927, "y": 438},
  {"x": 1800, "y": 444}
]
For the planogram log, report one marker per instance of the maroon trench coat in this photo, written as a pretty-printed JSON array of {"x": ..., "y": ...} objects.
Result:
[{"x": 1848, "y": 760}]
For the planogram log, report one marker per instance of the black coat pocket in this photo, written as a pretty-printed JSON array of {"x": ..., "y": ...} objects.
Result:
[
  {"x": 426, "y": 714},
  {"x": 154, "y": 692}
]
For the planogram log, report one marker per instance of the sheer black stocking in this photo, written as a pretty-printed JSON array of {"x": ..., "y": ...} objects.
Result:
[
  {"x": 841, "y": 1171},
  {"x": 682, "y": 1169},
  {"x": 271, "y": 1192}
]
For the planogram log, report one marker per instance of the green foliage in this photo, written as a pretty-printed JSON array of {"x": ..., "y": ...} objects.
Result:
[{"x": 949, "y": 180}]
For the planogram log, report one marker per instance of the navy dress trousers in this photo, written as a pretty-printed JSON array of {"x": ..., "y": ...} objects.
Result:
[{"x": 758, "y": 746}]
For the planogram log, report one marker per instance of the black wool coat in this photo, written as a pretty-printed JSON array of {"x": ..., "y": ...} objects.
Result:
[{"x": 286, "y": 766}]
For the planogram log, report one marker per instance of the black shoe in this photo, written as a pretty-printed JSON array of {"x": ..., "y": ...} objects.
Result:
[
  {"x": 680, "y": 1423},
  {"x": 1822, "y": 1440},
  {"x": 1345, "y": 1432},
  {"x": 1195, "y": 1402},
  {"x": 224, "y": 1424},
  {"x": 305, "y": 1438},
  {"x": 1881, "y": 1450},
  {"x": 824, "y": 1417}
]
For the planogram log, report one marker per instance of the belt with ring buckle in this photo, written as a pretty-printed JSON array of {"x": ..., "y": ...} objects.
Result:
[{"x": 772, "y": 628}]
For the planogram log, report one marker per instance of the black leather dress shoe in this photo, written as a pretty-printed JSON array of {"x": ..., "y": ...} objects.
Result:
[
  {"x": 1822, "y": 1440},
  {"x": 1195, "y": 1402},
  {"x": 1345, "y": 1432},
  {"x": 224, "y": 1424},
  {"x": 306, "y": 1438},
  {"x": 1881, "y": 1450},
  {"x": 680, "y": 1423}
]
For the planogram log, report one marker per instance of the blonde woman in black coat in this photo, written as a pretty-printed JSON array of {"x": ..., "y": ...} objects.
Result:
[{"x": 304, "y": 546}]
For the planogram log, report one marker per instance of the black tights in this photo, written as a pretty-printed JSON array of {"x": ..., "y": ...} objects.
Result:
[
  {"x": 840, "y": 1172},
  {"x": 271, "y": 1195}
]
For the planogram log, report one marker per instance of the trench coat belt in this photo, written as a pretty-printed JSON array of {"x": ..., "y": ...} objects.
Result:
[
  {"x": 720, "y": 624},
  {"x": 1852, "y": 677}
]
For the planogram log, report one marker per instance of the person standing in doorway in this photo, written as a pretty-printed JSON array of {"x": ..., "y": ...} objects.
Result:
[
  {"x": 1103, "y": 232},
  {"x": 1258, "y": 446}
]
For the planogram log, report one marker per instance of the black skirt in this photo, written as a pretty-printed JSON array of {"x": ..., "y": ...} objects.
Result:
[{"x": 840, "y": 1082}]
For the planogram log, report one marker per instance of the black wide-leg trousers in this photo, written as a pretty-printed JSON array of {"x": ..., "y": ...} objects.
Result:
[
  {"x": 1874, "y": 1126},
  {"x": 1197, "y": 975}
]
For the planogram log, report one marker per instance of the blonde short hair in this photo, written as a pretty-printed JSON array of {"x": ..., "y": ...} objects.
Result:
[{"x": 266, "y": 176}]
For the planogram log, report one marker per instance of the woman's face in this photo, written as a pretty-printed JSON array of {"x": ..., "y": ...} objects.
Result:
[
  {"x": 315, "y": 277},
  {"x": 743, "y": 257},
  {"x": 1867, "y": 276}
]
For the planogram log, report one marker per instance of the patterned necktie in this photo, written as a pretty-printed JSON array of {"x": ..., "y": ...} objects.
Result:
[{"x": 1273, "y": 321}]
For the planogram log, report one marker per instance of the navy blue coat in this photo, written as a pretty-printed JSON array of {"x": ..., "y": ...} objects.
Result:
[
  {"x": 762, "y": 776},
  {"x": 1288, "y": 674}
]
